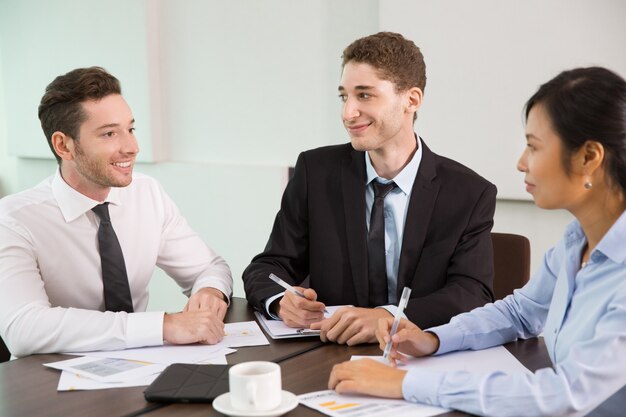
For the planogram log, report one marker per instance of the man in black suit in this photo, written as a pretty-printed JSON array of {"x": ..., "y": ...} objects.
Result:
[{"x": 437, "y": 216}]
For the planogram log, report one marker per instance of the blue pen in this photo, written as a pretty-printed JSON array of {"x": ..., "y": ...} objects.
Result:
[
  {"x": 404, "y": 299},
  {"x": 289, "y": 287}
]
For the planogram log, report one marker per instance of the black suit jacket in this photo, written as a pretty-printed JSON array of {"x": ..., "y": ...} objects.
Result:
[{"x": 320, "y": 232}]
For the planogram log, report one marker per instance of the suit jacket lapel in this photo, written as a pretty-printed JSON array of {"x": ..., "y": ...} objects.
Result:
[
  {"x": 421, "y": 203},
  {"x": 353, "y": 190}
]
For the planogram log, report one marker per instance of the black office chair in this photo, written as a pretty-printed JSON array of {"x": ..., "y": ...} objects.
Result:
[
  {"x": 511, "y": 260},
  {"x": 5, "y": 355}
]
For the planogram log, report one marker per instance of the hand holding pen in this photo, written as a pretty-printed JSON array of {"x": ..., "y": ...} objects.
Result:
[
  {"x": 406, "y": 340},
  {"x": 404, "y": 299},
  {"x": 299, "y": 308}
]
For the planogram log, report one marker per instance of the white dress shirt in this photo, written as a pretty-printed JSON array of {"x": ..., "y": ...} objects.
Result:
[{"x": 50, "y": 272}]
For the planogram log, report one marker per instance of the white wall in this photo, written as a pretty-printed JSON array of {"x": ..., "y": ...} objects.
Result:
[
  {"x": 8, "y": 181},
  {"x": 242, "y": 87},
  {"x": 485, "y": 58},
  {"x": 41, "y": 40}
]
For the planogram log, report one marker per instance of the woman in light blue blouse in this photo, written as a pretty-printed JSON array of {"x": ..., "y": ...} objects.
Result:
[{"x": 575, "y": 159}]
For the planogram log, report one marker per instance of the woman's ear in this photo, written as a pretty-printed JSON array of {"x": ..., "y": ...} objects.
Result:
[{"x": 588, "y": 158}]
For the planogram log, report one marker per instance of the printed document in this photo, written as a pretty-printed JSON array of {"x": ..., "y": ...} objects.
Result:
[
  {"x": 239, "y": 334},
  {"x": 277, "y": 329},
  {"x": 497, "y": 358},
  {"x": 336, "y": 405}
]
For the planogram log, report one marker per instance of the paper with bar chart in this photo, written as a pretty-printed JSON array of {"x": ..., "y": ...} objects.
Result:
[{"x": 335, "y": 405}]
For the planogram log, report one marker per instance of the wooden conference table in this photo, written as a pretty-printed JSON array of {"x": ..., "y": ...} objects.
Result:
[{"x": 29, "y": 389}]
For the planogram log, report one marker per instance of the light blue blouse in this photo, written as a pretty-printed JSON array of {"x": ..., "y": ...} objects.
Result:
[{"x": 582, "y": 312}]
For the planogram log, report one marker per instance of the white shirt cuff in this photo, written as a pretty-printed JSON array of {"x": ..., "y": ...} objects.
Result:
[
  {"x": 144, "y": 329},
  {"x": 392, "y": 310},
  {"x": 270, "y": 301}
]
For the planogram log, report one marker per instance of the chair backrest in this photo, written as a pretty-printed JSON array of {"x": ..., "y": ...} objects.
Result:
[
  {"x": 5, "y": 355},
  {"x": 511, "y": 259}
]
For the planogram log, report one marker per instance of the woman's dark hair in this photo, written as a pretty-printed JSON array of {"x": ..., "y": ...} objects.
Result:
[{"x": 588, "y": 104}]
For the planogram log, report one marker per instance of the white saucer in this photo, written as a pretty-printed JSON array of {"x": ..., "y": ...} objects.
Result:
[{"x": 288, "y": 402}]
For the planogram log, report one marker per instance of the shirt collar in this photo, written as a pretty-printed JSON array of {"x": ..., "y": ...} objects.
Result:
[
  {"x": 611, "y": 244},
  {"x": 405, "y": 178},
  {"x": 74, "y": 204}
]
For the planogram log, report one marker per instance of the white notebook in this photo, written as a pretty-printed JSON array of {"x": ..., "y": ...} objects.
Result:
[{"x": 277, "y": 329}]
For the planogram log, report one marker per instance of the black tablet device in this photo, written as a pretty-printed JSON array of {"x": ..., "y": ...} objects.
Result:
[{"x": 189, "y": 383}]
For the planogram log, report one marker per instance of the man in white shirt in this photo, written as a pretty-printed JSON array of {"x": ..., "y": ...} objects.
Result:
[{"x": 52, "y": 297}]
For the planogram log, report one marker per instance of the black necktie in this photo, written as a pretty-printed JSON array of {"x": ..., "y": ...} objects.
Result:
[
  {"x": 114, "y": 279},
  {"x": 376, "y": 259}
]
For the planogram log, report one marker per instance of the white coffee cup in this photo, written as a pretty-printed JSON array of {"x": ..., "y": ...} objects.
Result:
[{"x": 255, "y": 386}]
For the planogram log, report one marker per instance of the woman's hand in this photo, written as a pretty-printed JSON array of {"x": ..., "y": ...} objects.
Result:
[
  {"x": 367, "y": 376},
  {"x": 408, "y": 340}
]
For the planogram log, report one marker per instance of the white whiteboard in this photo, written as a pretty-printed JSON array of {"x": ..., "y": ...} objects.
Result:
[{"x": 485, "y": 58}]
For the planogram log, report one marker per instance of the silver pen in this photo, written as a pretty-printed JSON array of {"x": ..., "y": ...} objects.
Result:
[
  {"x": 289, "y": 287},
  {"x": 307, "y": 332},
  {"x": 404, "y": 299}
]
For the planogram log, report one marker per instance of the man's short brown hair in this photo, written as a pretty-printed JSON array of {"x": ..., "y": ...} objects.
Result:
[
  {"x": 61, "y": 107},
  {"x": 394, "y": 57}
]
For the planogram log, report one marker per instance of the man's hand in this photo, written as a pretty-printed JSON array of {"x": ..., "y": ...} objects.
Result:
[
  {"x": 408, "y": 340},
  {"x": 193, "y": 327},
  {"x": 300, "y": 312},
  {"x": 201, "y": 321},
  {"x": 366, "y": 376},
  {"x": 208, "y": 299},
  {"x": 351, "y": 325}
]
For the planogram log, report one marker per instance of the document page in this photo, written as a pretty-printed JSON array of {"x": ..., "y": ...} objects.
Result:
[
  {"x": 106, "y": 369},
  {"x": 276, "y": 329},
  {"x": 336, "y": 405},
  {"x": 497, "y": 358},
  {"x": 487, "y": 360},
  {"x": 69, "y": 381},
  {"x": 239, "y": 334},
  {"x": 166, "y": 354}
]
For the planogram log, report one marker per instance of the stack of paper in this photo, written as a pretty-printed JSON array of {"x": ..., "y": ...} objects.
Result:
[
  {"x": 87, "y": 373},
  {"x": 140, "y": 366},
  {"x": 277, "y": 329}
]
